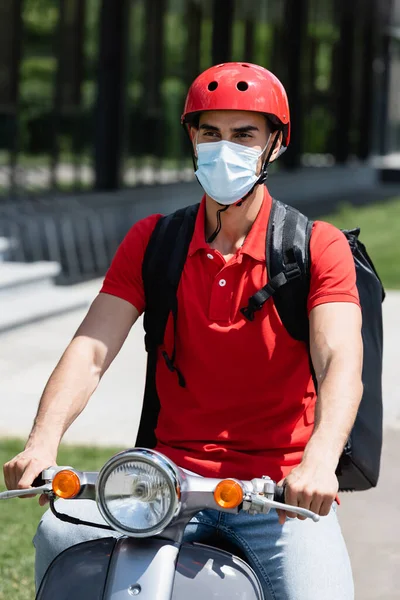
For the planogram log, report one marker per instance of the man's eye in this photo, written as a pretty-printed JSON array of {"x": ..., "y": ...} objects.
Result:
[
  {"x": 211, "y": 133},
  {"x": 243, "y": 135}
]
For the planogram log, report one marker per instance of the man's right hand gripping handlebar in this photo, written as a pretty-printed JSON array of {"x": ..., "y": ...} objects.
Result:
[{"x": 21, "y": 471}]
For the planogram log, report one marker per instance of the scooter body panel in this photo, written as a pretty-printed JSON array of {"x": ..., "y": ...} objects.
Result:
[
  {"x": 206, "y": 572},
  {"x": 80, "y": 572},
  {"x": 153, "y": 569}
]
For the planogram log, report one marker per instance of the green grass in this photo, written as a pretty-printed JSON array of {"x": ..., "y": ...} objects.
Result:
[
  {"x": 380, "y": 232},
  {"x": 20, "y": 517}
]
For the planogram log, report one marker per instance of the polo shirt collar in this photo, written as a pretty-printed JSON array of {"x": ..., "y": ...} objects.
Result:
[{"x": 254, "y": 244}]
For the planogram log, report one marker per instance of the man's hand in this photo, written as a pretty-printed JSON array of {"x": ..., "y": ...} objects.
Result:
[
  {"x": 313, "y": 487},
  {"x": 20, "y": 472}
]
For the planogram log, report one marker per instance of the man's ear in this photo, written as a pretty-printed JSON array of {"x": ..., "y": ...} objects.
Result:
[
  {"x": 193, "y": 131},
  {"x": 278, "y": 145}
]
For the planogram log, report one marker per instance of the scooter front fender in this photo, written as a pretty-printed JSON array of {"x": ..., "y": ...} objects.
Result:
[{"x": 153, "y": 569}]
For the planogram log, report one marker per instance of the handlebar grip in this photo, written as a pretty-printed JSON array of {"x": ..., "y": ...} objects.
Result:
[
  {"x": 279, "y": 494},
  {"x": 38, "y": 481}
]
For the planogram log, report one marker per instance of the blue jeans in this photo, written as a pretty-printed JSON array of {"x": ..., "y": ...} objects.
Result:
[{"x": 300, "y": 560}]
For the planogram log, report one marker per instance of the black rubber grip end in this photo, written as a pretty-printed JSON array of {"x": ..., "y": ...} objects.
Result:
[
  {"x": 38, "y": 481},
  {"x": 279, "y": 494}
]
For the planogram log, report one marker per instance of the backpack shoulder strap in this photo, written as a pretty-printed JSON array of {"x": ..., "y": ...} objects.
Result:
[
  {"x": 163, "y": 263},
  {"x": 288, "y": 251},
  {"x": 287, "y": 258},
  {"x": 162, "y": 268}
]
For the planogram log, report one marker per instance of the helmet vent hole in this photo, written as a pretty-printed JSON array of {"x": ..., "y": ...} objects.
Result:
[
  {"x": 247, "y": 66},
  {"x": 242, "y": 86},
  {"x": 212, "y": 86}
]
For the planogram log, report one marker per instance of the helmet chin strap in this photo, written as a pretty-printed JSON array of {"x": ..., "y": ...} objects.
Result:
[{"x": 219, "y": 224}]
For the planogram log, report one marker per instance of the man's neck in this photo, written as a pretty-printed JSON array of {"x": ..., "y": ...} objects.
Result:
[{"x": 236, "y": 222}]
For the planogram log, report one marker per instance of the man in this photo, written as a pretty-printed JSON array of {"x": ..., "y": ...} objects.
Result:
[{"x": 249, "y": 405}]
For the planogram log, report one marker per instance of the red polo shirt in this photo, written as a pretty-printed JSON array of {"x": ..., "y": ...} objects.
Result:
[{"x": 248, "y": 406}]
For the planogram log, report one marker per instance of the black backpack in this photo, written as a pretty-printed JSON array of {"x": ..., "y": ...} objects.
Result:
[{"x": 288, "y": 268}]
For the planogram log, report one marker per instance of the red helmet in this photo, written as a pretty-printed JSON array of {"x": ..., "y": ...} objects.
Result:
[{"x": 239, "y": 86}]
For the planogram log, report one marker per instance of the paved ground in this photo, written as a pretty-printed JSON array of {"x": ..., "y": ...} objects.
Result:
[{"x": 370, "y": 520}]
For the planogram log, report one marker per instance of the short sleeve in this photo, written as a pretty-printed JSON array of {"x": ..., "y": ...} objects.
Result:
[
  {"x": 333, "y": 274},
  {"x": 124, "y": 277}
]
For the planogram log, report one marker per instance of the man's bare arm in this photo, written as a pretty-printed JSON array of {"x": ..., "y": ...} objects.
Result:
[
  {"x": 336, "y": 352},
  {"x": 73, "y": 381}
]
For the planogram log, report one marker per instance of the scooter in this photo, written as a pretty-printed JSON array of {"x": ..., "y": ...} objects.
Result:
[{"x": 144, "y": 496}]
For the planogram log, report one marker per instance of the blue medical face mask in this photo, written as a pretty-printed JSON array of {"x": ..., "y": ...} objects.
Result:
[{"x": 227, "y": 171}]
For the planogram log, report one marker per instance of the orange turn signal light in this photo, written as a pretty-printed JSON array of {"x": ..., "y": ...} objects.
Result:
[
  {"x": 228, "y": 493},
  {"x": 66, "y": 484}
]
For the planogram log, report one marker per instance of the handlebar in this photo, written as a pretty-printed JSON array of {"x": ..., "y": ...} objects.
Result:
[
  {"x": 8, "y": 495},
  {"x": 279, "y": 497},
  {"x": 40, "y": 485},
  {"x": 279, "y": 494},
  {"x": 38, "y": 481},
  {"x": 260, "y": 495}
]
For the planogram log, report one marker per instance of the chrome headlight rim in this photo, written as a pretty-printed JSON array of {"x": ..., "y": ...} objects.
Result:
[{"x": 154, "y": 459}]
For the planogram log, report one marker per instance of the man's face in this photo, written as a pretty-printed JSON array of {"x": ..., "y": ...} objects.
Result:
[{"x": 240, "y": 127}]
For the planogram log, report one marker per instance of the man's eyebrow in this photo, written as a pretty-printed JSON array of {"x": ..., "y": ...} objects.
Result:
[
  {"x": 243, "y": 129},
  {"x": 206, "y": 126}
]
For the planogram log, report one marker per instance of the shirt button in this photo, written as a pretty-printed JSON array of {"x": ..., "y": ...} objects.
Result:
[
  {"x": 210, "y": 256},
  {"x": 222, "y": 282}
]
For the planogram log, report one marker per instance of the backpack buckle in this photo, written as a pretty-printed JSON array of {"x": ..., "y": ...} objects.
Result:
[
  {"x": 292, "y": 272},
  {"x": 248, "y": 313},
  {"x": 253, "y": 307}
]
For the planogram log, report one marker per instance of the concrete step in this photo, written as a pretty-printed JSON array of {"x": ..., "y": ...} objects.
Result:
[
  {"x": 15, "y": 275},
  {"x": 28, "y": 294}
]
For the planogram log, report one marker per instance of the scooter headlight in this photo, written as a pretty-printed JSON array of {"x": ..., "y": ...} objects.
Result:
[{"x": 138, "y": 492}]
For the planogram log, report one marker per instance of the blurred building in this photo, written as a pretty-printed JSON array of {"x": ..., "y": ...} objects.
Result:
[{"x": 91, "y": 93}]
